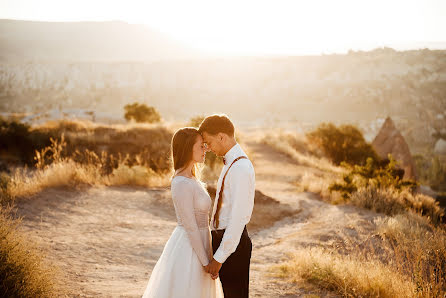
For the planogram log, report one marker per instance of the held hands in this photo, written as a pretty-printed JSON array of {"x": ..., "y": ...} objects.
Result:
[{"x": 213, "y": 268}]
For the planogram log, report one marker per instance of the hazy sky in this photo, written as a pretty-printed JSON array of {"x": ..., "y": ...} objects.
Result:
[{"x": 296, "y": 26}]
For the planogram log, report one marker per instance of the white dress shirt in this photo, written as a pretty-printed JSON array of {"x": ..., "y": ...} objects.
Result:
[{"x": 237, "y": 201}]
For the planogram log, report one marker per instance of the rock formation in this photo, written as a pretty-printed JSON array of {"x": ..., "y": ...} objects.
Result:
[{"x": 390, "y": 140}]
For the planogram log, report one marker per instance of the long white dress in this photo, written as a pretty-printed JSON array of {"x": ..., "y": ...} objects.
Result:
[{"x": 179, "y": 270}]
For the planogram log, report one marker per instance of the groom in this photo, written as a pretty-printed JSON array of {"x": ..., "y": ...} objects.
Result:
[{"x": 233, "y": 205}]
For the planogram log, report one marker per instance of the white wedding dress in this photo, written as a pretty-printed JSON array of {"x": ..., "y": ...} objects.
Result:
[{"x": 179, "y": 270}]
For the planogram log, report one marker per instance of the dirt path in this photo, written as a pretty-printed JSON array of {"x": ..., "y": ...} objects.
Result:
[
  {"x": 316, "y": 224},
  {"x": 107, "y": 240}
]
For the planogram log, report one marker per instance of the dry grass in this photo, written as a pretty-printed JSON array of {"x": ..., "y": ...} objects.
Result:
[
  {"x": 318, "y": 183},
  {"x": 349, "y": 276},
  {"x": 23, "y": 270},
  {"x": 419, "y": 251},
  {"x": 408, "y": 261},
  {"x": 391, "y": 202},
  {"x": 54, "y": 170},
  {"x": 150, "y": 142},
  {"x": 297, "y": 148},
  {"x": 71, "y": 174}
]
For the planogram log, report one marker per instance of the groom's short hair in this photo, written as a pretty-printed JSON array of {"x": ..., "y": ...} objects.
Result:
[{"x": 217, "y": 123}]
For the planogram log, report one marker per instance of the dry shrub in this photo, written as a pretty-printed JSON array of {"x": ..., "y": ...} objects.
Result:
[
  {"x": 54, "y": 170},
  {"x": 23, "y": 270},
  {"x": 391, "y": 201},
  {"x": 151, "y": 142},
  {"x": 349, "y": 276},
  {"x": 419, "y": 251}
]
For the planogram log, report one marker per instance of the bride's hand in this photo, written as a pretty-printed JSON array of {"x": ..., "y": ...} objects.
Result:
[{"x": 206, "y": 268}]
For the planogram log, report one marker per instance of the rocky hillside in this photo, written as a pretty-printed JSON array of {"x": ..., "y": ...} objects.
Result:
[{"x": 360, "y": 87}]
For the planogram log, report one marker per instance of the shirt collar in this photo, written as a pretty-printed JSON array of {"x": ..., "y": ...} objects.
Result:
[{"x": 233, "y": 153}]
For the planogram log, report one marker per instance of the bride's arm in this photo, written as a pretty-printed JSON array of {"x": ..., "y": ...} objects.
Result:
[{"x": 183, "y": 197}]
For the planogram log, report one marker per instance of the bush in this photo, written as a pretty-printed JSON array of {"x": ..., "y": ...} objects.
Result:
[
  {"x": 143, "y": 144},
  {"x": 19, "y": 142},
  {"x": 343, "y": 144},
  {"x": 141, "y": 113},
  {"x": 379, "y": 186},
  {"x": 23, "y": 272},
  {"x": 382, "y": 174}
]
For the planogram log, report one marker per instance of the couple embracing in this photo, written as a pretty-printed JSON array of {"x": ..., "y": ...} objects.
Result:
[{"x": 202, "y": 258}]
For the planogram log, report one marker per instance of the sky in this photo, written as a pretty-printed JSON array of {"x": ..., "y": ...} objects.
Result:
[{"x": 261, "y": 26}]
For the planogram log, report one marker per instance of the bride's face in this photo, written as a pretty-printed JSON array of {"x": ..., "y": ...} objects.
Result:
[{"x": 199, "y": 150}]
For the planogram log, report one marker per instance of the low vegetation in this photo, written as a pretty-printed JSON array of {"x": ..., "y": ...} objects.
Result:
[
  {"x": 53, "y": 169},
  {"x": 417, "y": 250},
  {"x": 380, "y": 187},
  {"x": 408, "y": 259},
  {"x": 348, "y": 276},
  {"x": 23, "y": 270}
]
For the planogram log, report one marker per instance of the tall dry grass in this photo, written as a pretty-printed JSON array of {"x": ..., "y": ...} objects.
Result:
[
  {"x": 55, "y": 170},
  {"x": 391, "y": 201},
  {"x": 23, "y": 269},
  {"x": 148, "y": 142},
  {"x": 297, "y": 148},
  {"x": 418, "y": 251},
  {"x": 347, "y": 275}
]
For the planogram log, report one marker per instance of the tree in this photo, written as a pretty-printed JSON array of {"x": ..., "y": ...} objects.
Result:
[{"x": 141, "y": 113}]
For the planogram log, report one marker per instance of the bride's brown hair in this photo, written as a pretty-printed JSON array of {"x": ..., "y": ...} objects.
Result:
[{"x": 182, "y": 145}]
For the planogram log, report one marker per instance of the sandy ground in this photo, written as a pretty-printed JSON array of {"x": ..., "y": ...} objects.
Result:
[{"x": 107, "y": 240}]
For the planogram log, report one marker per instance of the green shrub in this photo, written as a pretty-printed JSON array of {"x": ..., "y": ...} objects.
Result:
[
  {"x": 379, "y": 186},
  {"x": 141, "y": 113},
  {"x": 382, "y": 174},
  {"x": 342, "y": 144},
  {"x": 23, "y": 272}
]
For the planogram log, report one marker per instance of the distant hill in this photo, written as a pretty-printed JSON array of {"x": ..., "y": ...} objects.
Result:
[{"x": 23, "y": 41}]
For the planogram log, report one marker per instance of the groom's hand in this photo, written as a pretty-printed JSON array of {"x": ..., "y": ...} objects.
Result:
[{"x": 214, "y": 267}]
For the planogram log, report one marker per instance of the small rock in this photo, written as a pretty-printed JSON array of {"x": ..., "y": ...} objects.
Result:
[{"x": 440, "y": 146}]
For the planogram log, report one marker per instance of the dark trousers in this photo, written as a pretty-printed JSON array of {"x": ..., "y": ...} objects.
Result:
[{"x": 234, "y": 273}]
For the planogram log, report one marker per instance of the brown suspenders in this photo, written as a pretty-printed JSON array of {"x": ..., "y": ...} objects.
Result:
[{"x": 219, "y": 202}]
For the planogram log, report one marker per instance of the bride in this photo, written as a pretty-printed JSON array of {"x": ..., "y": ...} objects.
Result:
[{"x": 181, "y": 270}]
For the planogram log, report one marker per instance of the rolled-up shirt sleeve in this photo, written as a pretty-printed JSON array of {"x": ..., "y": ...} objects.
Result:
[{"x": 242, "y": 190}]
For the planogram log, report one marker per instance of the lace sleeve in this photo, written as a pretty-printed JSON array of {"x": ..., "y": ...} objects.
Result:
[{"x": 183, "y": 193}]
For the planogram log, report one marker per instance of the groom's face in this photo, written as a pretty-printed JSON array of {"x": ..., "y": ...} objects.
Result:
[{"x": 213, "y": 142}]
